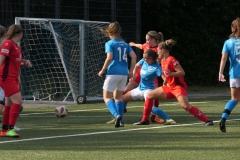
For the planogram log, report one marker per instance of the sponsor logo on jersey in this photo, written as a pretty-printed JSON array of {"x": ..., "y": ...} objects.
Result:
[{"x": 5, "y": 51}]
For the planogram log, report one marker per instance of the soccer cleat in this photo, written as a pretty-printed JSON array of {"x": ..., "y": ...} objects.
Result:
[
  {"x": 170, "y": 122},
  {"x": 209, "y": 123},
  {"x": 155, "y": 119},
  {"x": 142, "y": 123},
  {"x": 12, "y": 133},
  {"x": 16, "y": 128},
  {"x": 117, "y": 122},
  {"x": 121, "y": 124},
  {"x": 222, "y": 126},
  {"x": 112, "y": 121},
  {"x": 3, "y": 134}
]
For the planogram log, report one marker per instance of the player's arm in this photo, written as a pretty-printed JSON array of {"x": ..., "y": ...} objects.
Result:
[
  {"x": 222, "y": 66},
  {"x": 2, "y": 58},
  {"x": 179, "y": 72},
  {"x": 108, "y": 60},
  {"x": 133, "y": 63},
  {"x": 26, "y": 62},
  {"x": 132, "y": 44}
]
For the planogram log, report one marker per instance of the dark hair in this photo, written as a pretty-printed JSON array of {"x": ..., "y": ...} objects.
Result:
[
  {"x": 151, "y": 54},
  {"x": 113, "y": 29},
  {"x": 236, "y": 26},
  {"x": 168, "y": 44},
  {"x": 2, "y": 31},
  {"x": 157, "y": 36}
]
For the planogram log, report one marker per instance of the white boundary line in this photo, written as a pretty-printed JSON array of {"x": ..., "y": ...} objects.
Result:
[{"x": 106, "y": 132}]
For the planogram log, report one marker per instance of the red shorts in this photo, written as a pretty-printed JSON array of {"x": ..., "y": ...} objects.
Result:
[
  {"x": 10, "y": 87},
  {"x": 174, "y": 92},
  {"x": 137, "y": 77}
]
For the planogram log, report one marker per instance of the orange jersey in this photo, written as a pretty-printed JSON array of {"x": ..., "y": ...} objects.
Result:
[
  {"x": 146, "y": 46},
  {"x": 170, "y": 63}
]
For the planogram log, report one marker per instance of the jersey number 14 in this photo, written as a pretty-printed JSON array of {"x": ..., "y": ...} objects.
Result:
[{"x": 122, "y": 56}]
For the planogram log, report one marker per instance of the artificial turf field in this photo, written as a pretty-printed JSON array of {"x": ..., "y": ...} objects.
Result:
[{"x": 84, "y": 134}]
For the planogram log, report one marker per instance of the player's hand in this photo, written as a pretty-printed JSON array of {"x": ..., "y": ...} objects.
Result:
[
  {"x": 100, "y": 73},
  {"x": 27, "y": 63},
  {"x": 131, "y": 44},
  {"x": 167, "y": 73},
  {"x": 221, "y": 78}
]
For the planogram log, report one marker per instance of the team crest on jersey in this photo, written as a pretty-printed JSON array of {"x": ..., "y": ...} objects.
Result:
[
  {"x": 5, "y": 51},
  {"x": 150, "y": 68}
]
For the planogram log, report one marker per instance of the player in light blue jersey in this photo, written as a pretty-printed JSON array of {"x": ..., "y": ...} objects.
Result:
[
  {"x": 231, "y": 49},
  {"x": 116, "y": 64},
  {"x": 150, "y": 69}
]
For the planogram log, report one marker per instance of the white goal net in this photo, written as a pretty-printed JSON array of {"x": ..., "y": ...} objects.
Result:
[{"x": 66, "y": 56}]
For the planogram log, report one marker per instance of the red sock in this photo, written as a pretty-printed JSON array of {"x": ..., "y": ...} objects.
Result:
[
  {"x": 198, "y": 114},
  {"x": 13, "y": 115},
  {"x": 5, "y": 118},
  {"x": 147, "y": 109}
]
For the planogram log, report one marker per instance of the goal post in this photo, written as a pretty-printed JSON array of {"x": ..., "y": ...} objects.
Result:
[{"x": 66, "y": 56}]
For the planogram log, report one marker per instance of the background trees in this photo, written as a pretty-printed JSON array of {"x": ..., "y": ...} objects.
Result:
[{"x": 200, "y": 28}]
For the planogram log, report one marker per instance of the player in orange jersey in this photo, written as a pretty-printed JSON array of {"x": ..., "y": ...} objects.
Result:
[{"x": 175, "y": 86}]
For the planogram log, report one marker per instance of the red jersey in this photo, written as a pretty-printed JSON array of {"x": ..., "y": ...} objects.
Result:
[
  {"x": 11, "y": 65},
  {"x": 146, "y": 46},
  {"x": 170, "y": 63}
]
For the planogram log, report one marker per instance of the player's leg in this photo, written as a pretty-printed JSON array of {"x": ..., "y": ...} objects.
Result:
[
  {"x": 157, "y": 93},
  {"x": 181, "y": 94},
  {"x": 118, "y": 99},
  {"x": 231, "y": 104}
]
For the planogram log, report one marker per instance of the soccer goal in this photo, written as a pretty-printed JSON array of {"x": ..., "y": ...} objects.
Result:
[{"x": 66, "y": 56}]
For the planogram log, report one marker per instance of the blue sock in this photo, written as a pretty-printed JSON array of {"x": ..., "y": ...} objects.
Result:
[
  {"x": 112, "y": 108},
  {"x": 228, "y": 108},
  {"x": 160, "y": 113},
  {"x": 120, "y": 106}
]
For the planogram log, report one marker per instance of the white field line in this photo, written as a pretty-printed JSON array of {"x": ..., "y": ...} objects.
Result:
[{"x": 105, "y": 132}]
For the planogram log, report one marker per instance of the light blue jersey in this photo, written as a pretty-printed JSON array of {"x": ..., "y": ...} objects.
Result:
[
  {"x": 232, "y": 48},
  {"x": 148, "y": 74},
  {"x": 120, "y": 50}
]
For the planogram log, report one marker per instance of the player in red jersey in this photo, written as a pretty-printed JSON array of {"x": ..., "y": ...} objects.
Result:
[
  {"x": 152, "y": 40},
  {"x": 175, "y": 86},
  {"x": 10, "y": 62}
]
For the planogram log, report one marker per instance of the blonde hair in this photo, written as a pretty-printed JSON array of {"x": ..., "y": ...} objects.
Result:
[
  {"x": 236, "y": 28},
  {"x": 168, "y": 44},
  {"x": 114, "y": 30}
]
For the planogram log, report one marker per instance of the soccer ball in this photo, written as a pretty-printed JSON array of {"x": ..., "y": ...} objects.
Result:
[{"x": 61, "y": 111}]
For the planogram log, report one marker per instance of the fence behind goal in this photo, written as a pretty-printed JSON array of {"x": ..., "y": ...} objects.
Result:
[{"x": 66, "y": 56}]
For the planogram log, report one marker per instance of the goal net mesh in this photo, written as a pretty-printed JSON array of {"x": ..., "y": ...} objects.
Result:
[{"x": 66, "y": 56}]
